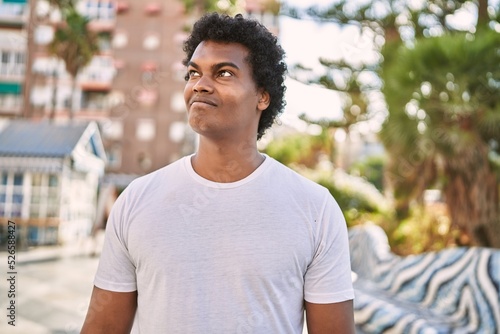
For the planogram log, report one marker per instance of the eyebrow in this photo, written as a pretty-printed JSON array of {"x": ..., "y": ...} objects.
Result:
[{"x": 217, "y": 66}]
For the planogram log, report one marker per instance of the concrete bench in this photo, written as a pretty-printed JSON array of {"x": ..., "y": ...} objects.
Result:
[{"x": 455, "y": 290}]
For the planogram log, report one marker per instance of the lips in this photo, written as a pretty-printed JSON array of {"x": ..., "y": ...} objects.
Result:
[{"x": 203, "y": 100}]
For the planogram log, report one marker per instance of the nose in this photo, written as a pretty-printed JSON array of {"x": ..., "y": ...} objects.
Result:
[{"x": 203, "y": 85}]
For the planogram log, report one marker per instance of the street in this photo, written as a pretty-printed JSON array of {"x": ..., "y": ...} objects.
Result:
[{"x": 51, "y": 296}]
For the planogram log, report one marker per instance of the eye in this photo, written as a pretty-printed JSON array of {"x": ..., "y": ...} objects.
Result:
[
  {"x": 225, "y": 73},
  {"x": 191, "y": 74}
]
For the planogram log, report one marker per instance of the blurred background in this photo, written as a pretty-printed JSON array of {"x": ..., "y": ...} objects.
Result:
[{"x": 394, "y": 106}]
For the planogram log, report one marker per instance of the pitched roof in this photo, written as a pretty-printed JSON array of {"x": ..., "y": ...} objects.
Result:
[{"x": 42, "y": 139}]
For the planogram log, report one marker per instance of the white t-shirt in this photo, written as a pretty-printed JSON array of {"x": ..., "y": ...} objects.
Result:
[{"x": 238, "y": 257}]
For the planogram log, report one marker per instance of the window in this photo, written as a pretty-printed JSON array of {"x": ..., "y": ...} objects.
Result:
[
  {"x": 95, "y": 101},
  {"x": 11, "y": 101},
  {"x": 177, "y": 102},
  {"x": 10, "y": 9},
  {"x": 97, "y": 9},
  {"x": 104, "y": 42},
  {"x": 12, "y": 63},
  {"x": 53, "y": 181},
  {"x": 44, "y": 34},
  {"x": 177, "y": 131},
  {"x": 44, "y": 196},
  {"x": 5, "y": 57},
  {"x": 151, "y": 41},
  {"x": 113, "y": 130},
  {"x": 19, "y": 58},
  {"x": 146, "y": 129},
  {"x": 11, "y": 194},
  {"x": 4, "y": 179},
  {"x": 120, "y": 40},
  {"x": 18, "y": 179}
]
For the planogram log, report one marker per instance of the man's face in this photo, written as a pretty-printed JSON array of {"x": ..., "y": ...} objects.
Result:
[{"x": 221, "y": 97}]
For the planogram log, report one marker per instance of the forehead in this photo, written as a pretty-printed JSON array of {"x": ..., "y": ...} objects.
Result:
[{"x": 215, "y": 52}]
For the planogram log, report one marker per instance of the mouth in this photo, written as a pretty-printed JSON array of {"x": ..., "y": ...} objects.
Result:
[{"x": 201, "y": 100}]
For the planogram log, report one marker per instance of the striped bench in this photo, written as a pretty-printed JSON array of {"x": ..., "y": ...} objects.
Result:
[{"x": 455, "y": 290}]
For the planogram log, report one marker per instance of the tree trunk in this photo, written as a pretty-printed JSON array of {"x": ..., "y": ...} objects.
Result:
[
  {"x": 482, "y": 13},
  {"x": 72, "y": 105},
  {"x": 472, "y": 196},
  {"x": 28, "y": 70}
]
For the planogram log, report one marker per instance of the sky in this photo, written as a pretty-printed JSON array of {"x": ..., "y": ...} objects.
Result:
[{"x": 304, "y": 42}]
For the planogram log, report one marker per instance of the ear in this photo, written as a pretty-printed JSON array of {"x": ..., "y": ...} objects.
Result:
[{"x": 264, "y": 100}]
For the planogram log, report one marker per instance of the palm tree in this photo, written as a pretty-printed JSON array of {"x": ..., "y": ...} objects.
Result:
[
  {"x": 443, "y": 127},
  {"x": 73, "y": 42}
]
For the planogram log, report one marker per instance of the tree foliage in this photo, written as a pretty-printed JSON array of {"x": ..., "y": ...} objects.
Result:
[
  {"x": 73, "y": 42},
  {"x": 300, "y": 149},
  {"x": 441, "y": 84},
  {"x": 443, "y": 126}
]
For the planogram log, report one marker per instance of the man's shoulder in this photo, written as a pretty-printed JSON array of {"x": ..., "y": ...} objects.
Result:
[{"x": 294, "y": 179}]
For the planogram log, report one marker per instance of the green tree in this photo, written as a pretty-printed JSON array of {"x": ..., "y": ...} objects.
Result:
[
  {"x": 73, "y": 42},
  {"x": 346, "y": 79},
  {"x": 306, "y": 150},
  {"x": 442, "y": 127}
]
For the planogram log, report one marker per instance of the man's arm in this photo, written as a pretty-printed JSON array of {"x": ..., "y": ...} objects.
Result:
[
  {"x": 330, "y": 318},
  {"x": 110, "y": 312}
]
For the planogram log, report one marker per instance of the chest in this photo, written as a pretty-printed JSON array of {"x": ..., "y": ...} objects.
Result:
[{"x": 215, "y": 237}]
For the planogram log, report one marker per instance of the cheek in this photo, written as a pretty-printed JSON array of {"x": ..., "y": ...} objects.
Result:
[{"x": 187, "y": 95}]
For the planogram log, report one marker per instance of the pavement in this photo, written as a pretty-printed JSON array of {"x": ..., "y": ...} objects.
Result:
[{"x": 52, "y": 288}]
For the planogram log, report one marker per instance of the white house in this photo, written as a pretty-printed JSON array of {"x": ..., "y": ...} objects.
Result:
[{"x": 49, "y": 178}]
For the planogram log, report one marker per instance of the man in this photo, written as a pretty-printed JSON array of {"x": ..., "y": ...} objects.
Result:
[{"x": 226, "y": 240}]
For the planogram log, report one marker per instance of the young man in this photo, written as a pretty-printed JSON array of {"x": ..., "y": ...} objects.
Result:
[{"x": 226, "y": 240}]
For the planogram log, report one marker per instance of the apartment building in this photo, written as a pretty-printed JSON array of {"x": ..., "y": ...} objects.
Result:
[{"x": 13, "y": 46}]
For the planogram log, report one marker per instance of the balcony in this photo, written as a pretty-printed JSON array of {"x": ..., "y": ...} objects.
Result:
[
  {"x": 11, "y": 99},
  {"x": 99, "y": 75},
  {"x": 102, "y": 14},
  {"x": 12, "y": 71},
  {"x": 13, "y": 13}
]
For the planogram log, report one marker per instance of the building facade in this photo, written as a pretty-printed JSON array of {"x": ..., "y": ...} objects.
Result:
[
  {"x": 49, "y": 178},
  {"x": 13, "y": 49}
]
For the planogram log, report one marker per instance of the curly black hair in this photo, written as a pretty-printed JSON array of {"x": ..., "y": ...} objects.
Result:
[{"x": 266, "y": 56}]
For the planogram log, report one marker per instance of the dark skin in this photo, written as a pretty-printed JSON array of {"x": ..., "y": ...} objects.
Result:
[
  {"x": 110, "y": 312},
  {"x": 330, "y": 318},
  {"x": 224, "y": 106}
]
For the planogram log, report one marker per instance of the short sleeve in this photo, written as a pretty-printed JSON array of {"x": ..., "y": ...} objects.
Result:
[
  {"x": 116, "y": 270},
  {"x": 328, "y": 277}
]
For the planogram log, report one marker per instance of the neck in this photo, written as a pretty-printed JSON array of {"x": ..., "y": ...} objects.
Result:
[{"x": 227, "y": 163}]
